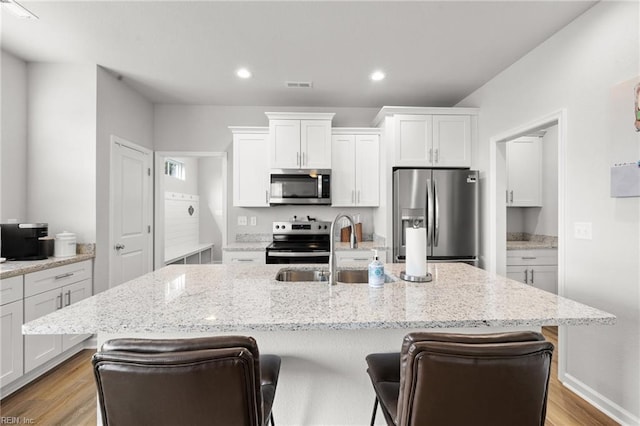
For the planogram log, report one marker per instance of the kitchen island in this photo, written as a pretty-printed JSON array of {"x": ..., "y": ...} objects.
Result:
[{"x": 322, "y": 332}]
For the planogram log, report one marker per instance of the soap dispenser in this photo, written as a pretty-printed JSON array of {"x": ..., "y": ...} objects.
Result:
[{"x": 376, "y": 271}]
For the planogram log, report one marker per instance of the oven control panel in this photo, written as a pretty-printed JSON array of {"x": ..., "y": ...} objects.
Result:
[{"x": 302, "y": 228}]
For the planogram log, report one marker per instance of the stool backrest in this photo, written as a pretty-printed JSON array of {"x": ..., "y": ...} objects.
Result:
[
  {"x": 456, "y": 379},
  {"x": 212, "y": 380}
]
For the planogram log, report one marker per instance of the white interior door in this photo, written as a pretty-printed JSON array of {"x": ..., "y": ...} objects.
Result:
[{"x": 131, "y": 214}]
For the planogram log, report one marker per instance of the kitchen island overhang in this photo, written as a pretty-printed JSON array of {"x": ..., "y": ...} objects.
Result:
[{"x": 322, "y": 332}]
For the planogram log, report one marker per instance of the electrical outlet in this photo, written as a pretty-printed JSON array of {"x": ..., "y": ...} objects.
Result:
[
  {"x": 582, "y": 231},
  {"x": 253, "y": 221},
  {"x": 242, "y": 221}
]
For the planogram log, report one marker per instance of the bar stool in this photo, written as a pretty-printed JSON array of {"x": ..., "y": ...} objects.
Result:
[
  {"x": 463, "y": 379},
  {"x": 212, "y": 380}
]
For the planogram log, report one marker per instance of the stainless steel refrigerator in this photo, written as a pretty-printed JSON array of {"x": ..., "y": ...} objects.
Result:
[{"x": 445, "y": 201}]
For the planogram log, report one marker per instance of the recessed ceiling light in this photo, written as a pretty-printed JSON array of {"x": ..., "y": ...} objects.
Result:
[
  {"x": 377, "y": 76},
  {"x": 243, "y": 73},
  {"x": 18, "y": 9}
]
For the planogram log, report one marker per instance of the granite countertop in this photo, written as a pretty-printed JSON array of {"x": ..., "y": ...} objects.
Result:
[
  {"x": 530, "y": 245},
  {"x": 247, "y": 246},
  {"x": 223, "y": 298},
  {"x": 12, "y": 268}
]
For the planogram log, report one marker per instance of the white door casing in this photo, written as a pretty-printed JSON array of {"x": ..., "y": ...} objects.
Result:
[{"x": 131, "y": 217}]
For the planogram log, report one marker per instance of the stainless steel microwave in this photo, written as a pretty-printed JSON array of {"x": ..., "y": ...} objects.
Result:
[{"x": 292, "y": 186}]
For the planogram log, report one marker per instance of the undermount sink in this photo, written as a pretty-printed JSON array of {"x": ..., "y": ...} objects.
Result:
[{"x": 347, "y": 276}]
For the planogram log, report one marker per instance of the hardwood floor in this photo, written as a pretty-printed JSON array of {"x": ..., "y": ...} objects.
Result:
[{"x": 66, "y": 396}]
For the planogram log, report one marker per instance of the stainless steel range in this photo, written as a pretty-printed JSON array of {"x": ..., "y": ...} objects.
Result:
[{"x": 299, "y": 242}]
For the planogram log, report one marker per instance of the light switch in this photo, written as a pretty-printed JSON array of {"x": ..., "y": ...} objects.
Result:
[
  {"x": 242, "y": 221},
  {"x": 253, "y": 221},
  {"x": 582, "y": 231}
]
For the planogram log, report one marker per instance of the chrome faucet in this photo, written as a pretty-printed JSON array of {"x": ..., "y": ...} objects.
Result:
[{"x": 332, "y": 255}]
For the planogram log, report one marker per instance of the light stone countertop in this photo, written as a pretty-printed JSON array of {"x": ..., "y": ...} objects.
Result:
[
  {"x": 530, "y": 245},
  {"x": 247, "y": 246},
  {"x": 13, "y": 268},
  {"x": 230, "y": 298}
]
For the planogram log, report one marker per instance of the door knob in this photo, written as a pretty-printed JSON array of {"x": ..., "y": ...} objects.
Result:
[{"x": 119, "y": 246}]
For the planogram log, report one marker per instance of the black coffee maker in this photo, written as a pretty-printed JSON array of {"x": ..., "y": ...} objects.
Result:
[{"x": 22, "y": 241}]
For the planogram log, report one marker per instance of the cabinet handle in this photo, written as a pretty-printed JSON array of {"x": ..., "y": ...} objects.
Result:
[
  {"x": 244, "y": 260},
  {"x": 304, "y": 160},
  {"x": 506, "y": 193},
  {"x": 529, "y": 257},
  {"x": 512, "y": 196},
  {"x": 61, "y": 276},
  {"x": 68, "y": 294},
  {"x": 526, "y": 276},
  {"x": 431, "y": 155},
  {"x": 437, "y": 155},
  {"x": 297, "y": 158},
  {"x": 59, "y": 301},
  {"x": 266, "y": 196},
  {"x": 358, "y": 196},
  {"x": 532, "y": 276}
]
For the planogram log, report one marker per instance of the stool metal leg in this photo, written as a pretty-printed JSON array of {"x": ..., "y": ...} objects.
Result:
[{"x": 375, "y": 408}]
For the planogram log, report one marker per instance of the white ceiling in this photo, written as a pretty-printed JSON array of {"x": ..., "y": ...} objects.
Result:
[{"x": 434, "y": 53}]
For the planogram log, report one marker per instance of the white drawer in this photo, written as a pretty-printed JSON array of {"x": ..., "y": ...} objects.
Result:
[
  {"x": 532, "y": 257},
  {"x": 257, "y": 257},
  {"x": 49, "y": 279},
  {"x": 11, "y": 289}
]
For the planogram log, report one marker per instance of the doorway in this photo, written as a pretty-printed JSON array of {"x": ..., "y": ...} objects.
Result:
[
  {"x": 500, "y": 197},
  {"x": 190, "y": 207}
]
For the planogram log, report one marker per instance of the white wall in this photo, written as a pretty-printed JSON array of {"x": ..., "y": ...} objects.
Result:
[
  {"x": 211, "y": 203},
  {"x": 587, "y": 68},
  {"x": 190, "y": 183},
  {"x": 13, "y": 139},
  {"x": 61, "y": 151},
  {"x": 205, "y": 129},
  {"x": 125, "y": 113}
]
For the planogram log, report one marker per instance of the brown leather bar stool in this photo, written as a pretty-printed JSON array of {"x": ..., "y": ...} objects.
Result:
[
  {"x": 463, "y": 379},
  {"x": 204, "y": 381}
]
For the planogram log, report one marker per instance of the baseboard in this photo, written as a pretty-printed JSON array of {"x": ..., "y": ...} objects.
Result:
[{"x": 600, "y": 402}]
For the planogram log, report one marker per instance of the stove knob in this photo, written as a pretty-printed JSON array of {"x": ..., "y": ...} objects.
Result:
[
  {"x": 319, "y": 226},
  {"x": 325, "y": 227},
  {"x": 277, "y": 226}
]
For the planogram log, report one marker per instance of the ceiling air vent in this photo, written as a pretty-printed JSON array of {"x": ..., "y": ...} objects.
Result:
[{"x": 299, "y": 84}]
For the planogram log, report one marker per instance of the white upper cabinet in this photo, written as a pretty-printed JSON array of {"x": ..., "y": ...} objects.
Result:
[
  {"x": 355, "y": 172},
  {"x": 451, "y": 140},
  {"x": 300, "y": 140},
  {"x": 250, "y": 166},
  {"x": 432, "y": 140},
  {"x": 524, "y": 172}
]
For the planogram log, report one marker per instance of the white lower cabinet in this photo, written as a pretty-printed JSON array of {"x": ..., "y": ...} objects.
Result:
[
  {"x": 11, "y": 314},
  {"x": 358, "y": 256},
  {"x": 39, "y": 349},
  {"x": 253, "y": 257},
  {"x": 538, "y": 268}
]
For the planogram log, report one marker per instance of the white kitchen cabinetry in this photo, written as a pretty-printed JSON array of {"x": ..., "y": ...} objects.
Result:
[
  {"x": 250, "y": 166},
  {"x": 432, "y": 140},
  {"x": 538, "y": 268},
  {"x": 45, "y": 292},
  {"x": 524, "y": 172},
  {"x": 256, "y": 257},
  {"x": 358, "y": 256},
  {"x": 355, "y": 169},
  {"x": 299, "y": 140},
  {"x": 11, "y": 314}
]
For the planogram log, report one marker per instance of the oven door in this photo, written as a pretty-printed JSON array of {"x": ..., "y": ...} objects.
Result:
[{"x": 289, "y": 257}]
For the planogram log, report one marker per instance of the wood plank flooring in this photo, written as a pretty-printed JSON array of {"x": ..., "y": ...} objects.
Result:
[{"x": 66, "y": 396}]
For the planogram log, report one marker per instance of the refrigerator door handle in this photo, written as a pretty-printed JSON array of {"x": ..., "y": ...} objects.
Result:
[
  {"x": 436, "y": 232},
  {"x": 429, "y": 214}
]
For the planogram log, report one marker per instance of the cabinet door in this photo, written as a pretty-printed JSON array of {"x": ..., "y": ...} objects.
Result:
[
  {"x": 544, "y": 277},
  {"x": 367, "y": 161},
  {"x": 248, "y": 257},
  {"x": 40, "y": 349},
  {"x": 452, "y": 141},
  {"x": 524, "y": 172},
  {"x": 11, "y": 365},
  {"x": 71, "y": 294},
  {"x": 250, "y": 170},
  {"x": 284, "y": 141},
  {"x": 343, "y": 152},
  {"x": 518, "y": 273},
  {"x": 413, "y": 140},
  {"x": 315, "y": 144}
]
